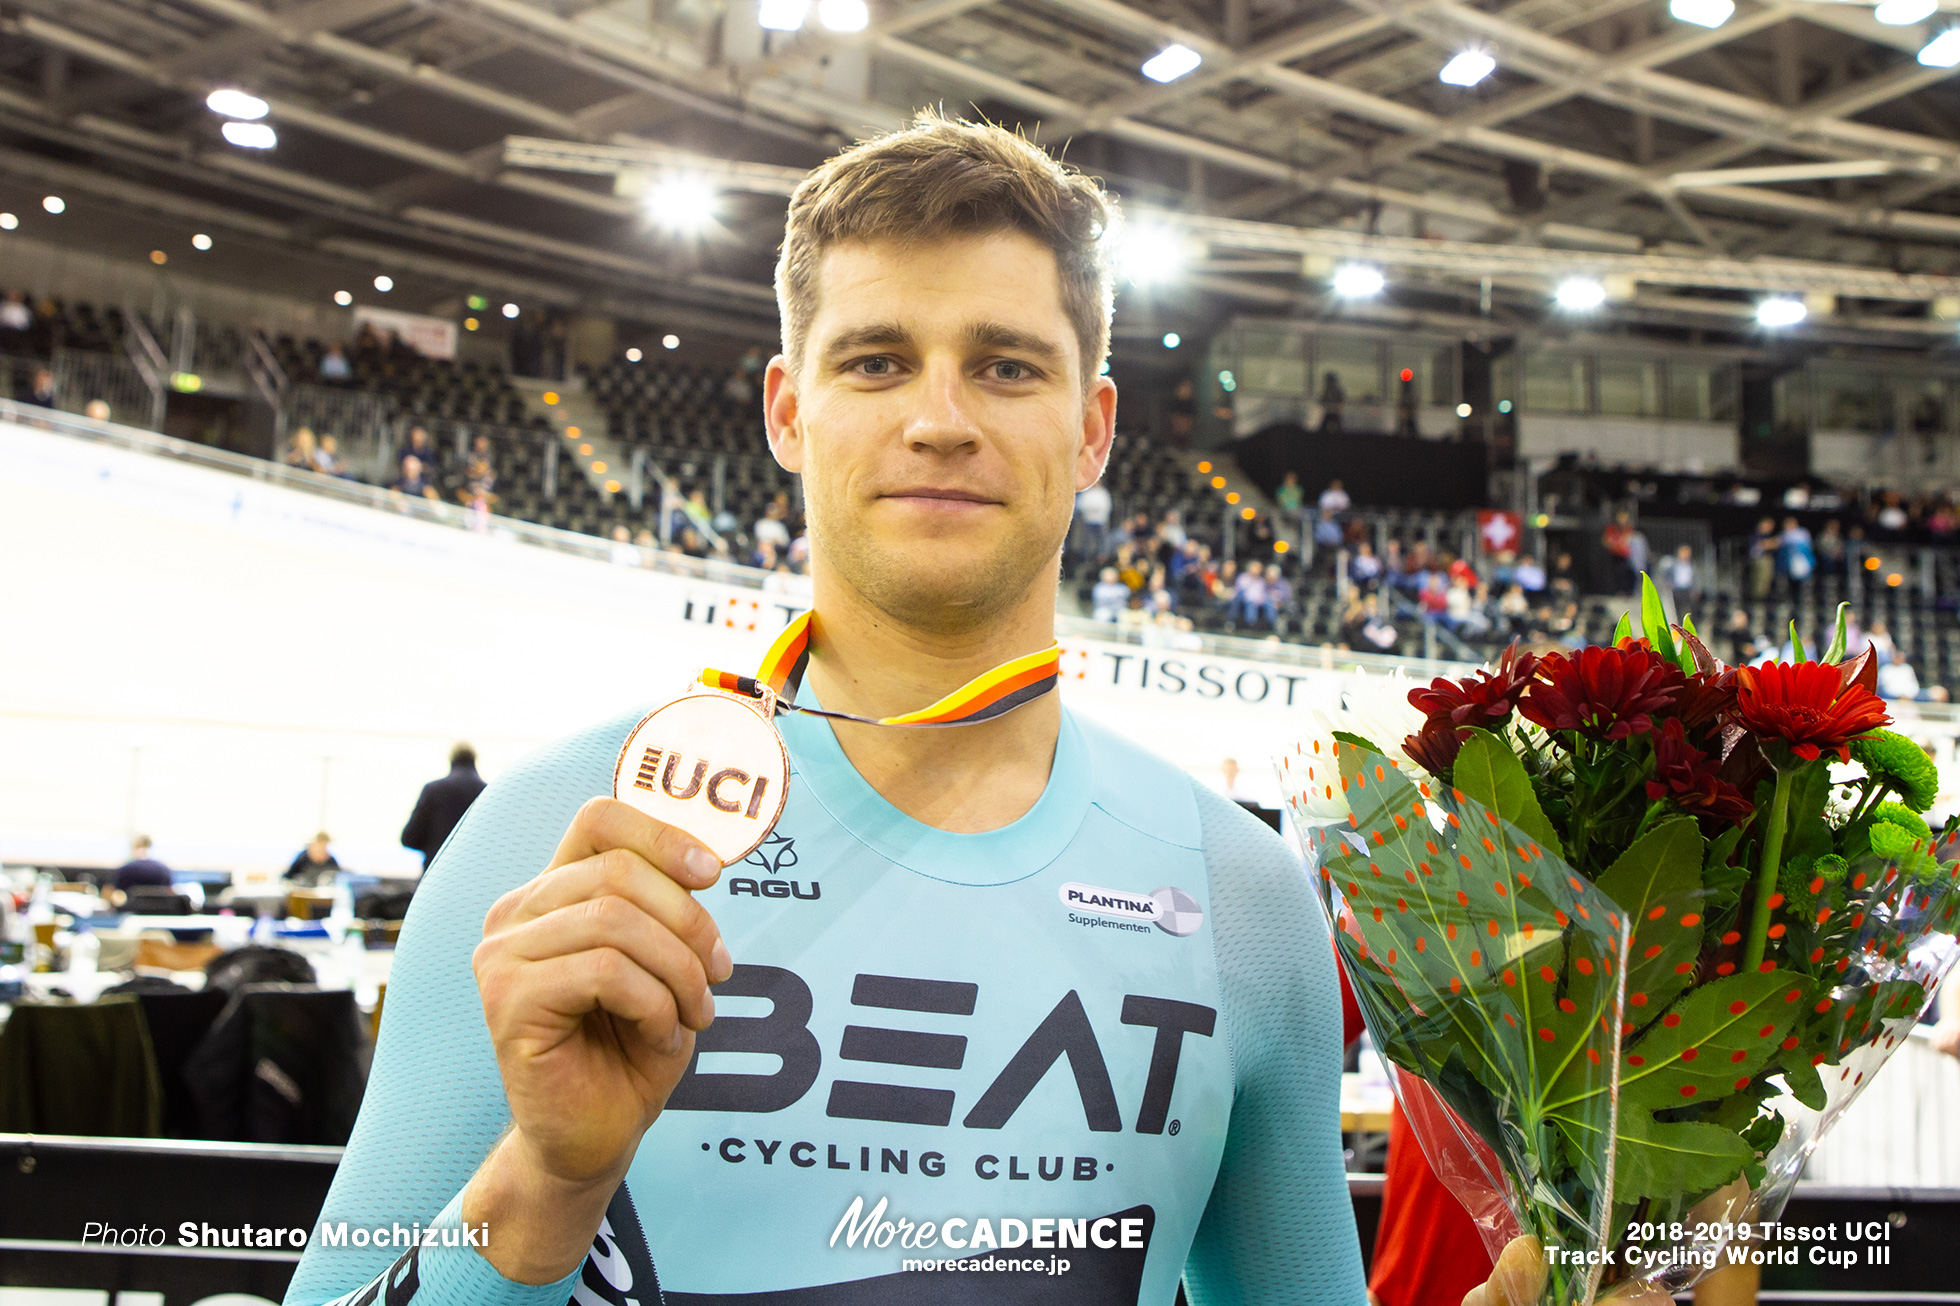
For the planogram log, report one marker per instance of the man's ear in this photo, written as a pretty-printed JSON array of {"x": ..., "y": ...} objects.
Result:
[
  {"x": 779, "y": 415},
  {"x": 1098, "y": 433}
]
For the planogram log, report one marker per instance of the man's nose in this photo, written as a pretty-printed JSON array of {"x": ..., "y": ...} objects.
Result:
[{"x": 942, "y": 419}]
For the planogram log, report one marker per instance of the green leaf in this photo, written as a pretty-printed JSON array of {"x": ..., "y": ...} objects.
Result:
[
  {"x": 1624, "y": 630},
  {"x": 1688, "y": 625},
  {"x": 1802, "y": 1078},
  {"x": 1657, "y": 882},
  {"x": 1796, "y": 644},
  {"x": 1653, "y": 620},
  {"x": 1657, "y": 1159},
  {"x": 1835, "y": 653},
  {"x": 1721, "y": 1033},
  {"x": 1489, "y": 772}
]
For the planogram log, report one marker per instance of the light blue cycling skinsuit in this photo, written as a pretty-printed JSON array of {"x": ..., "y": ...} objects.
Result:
[{"x": 1068, "y": 1061}]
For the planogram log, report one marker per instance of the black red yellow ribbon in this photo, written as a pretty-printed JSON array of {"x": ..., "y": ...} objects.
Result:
[{"x": 991, "y": 694}]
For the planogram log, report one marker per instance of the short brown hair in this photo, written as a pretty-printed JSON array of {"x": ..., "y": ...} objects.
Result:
[{"x": 945, "y": 177}]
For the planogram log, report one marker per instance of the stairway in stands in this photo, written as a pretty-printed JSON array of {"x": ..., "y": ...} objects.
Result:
[{"x": 580, "y": 424}]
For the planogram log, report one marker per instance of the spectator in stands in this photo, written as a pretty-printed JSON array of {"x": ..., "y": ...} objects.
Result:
[
  {"x": 1564, "y": 585},
  {"x": 1333, "y": 401},
  {"x": 1831, "y": 550},
  {"x": 1092, "y": 508},
  {"x": 334, "y": 367},
  {"x": 140, "y": 869},
  {"x": 1892, "y": 513},
  {"x": 1617, "y": 540},
  {"x": 1249, "y": 606},
  {"x": 1529, "y": 576},
  {"x": 96, "y": 410},
  {"x": 1764, "y": 546},
  {"x": 442, "y": 804},
  {"x": 1289, "y": 496},
  {"x": 1377, "y": 631},
  {"x": 326, "y": 458},
  {"x": 479, "y": 487},
  {"x": 1679, "y": 577},
  {"x": 623, "y": 553},
  {"x": 1880, "y": 639},
  {"x": 770, "y": 528},
  {"x": 16, "y": 322},
  {"x": 1334, "y": 499},
  {"x": 1796, "y": 556},
  {"x": 1279, "y": 594},
  {"x": 1897, "y": 680},
  {"x": 303, "y": 451},
  {"x": 1365, "y": 569},
  {"x": 1515, "y": 609},
  {"x": 692, "y": 543},
  {"x": 413, "y": 481},
  {"x": 419, "y": 447},
  {"x": 315, "y": 866},
  {"x": 41, "y": 392}
]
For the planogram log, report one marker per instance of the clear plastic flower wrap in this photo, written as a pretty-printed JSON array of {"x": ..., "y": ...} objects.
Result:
[{"x": 1629, "y": 917}]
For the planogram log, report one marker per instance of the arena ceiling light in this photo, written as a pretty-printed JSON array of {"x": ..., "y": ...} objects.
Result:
[
  {"x": 1171, "y": 63},
  {"x": 54, "y": 204},
  {"x": 510, "y": 310},
  {"x": 1702, "y": 13},
  {"x": 1172, "y": 340},
  {"x": 670, "y": 342},
  {"x": 1780, "y": 311},
  {"x": 682, "y": 203},
  {"x": 234, "y": 103},
  {"x": 1150, "y": 254},
  {"x": 1904, "y": 13},
  {"x": 843, "y": 15},
  {"x": 8, "y": 222},
  {"x": 250, "y": 135},
  {"x": 1467, "y": 69},
  {"x": 343, "y": 298},
  {"x": 1358, "y": 281},
  {"x": 1943, "y": 51},
  {"x": 782, "y": 15},
  {"x": 384, "y": 283},
  {"x": 200, "y": 242},
  {"x": 1580, "y": 294}
]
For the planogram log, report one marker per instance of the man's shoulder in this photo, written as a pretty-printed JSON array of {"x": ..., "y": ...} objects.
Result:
[
  {"x": 582, "y": 761},
  {"x": 1152, "y": 795}
]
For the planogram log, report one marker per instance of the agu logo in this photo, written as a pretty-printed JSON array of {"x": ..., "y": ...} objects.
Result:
[{"x": 1170, "y": 909}]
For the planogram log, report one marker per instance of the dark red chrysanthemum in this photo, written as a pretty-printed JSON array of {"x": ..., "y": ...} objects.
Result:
[
  {"x": 1603, "y": 693},
  {"x": 1688, "y": 776},
  {"x": 1485, "y": 699},
  {"x": 1807, "y": 705},
  {"x": 1436, "y": 747},
  {"x": 1705, "y": 697}
]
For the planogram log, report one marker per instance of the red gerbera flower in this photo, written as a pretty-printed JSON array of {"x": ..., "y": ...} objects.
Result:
[
  {"x": 1485, "y": 699},
  {"x": 1807, "y": 705},
  {"x": 1687, "y": 775},
  {"x": 1435, "y": 749},
  {"x": 1604, "y": 693}
]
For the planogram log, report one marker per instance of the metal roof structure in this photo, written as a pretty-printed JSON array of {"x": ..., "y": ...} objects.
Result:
[{"x": 1800, "y": 148}]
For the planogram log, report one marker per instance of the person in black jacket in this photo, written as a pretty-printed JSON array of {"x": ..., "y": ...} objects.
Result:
[{"x": 442, "y": 804}]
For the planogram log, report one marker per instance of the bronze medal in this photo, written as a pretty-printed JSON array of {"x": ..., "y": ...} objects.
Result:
[{"x": 712, "y": 764}]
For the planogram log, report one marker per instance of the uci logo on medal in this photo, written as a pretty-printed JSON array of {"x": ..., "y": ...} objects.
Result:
[{"x": 709, "y": 764}]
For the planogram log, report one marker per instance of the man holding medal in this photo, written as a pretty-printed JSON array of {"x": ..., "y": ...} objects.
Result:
[{"x": 1012, "y": 1010}]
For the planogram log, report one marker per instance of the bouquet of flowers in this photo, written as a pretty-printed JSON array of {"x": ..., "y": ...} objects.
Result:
[{"x": 1634, "y": 927}]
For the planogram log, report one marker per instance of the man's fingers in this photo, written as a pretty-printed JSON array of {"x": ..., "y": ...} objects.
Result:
[
  {"x": 1517, "y": 1279},
  {"x": 622, "y": 873},
  {"x": 616, "y": 923},
  {"x": 600, "y": 979},
  {"x": 607, "y": 823}
]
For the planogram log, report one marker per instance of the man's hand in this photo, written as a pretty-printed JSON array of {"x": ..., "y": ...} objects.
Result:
[
  {"x": 1946, "y": 1037},
  {"x": 594, "y": 978},
  {"x": 1518, "y": 1279}
]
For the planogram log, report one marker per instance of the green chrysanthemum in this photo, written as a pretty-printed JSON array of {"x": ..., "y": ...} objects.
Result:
[
  {"x": 1901, "y": 763},
  {"x": 1799, "y": 874},
  {"x": 1903, "y": 817},
  {"x": 1895, "y": 843}
]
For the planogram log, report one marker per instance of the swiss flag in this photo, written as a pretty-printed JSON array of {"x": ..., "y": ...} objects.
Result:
[{"x": 1499, "y": 530}]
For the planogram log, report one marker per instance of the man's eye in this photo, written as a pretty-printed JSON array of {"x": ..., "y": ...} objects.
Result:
[
  {"x": 876, "y": 367},
  {"x": 1008, "y": 370}
]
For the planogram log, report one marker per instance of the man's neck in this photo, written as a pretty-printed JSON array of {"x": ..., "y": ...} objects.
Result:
[{"x": 963, "y": 779}]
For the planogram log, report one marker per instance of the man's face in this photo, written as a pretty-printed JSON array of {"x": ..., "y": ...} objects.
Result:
[{"x": 941, "y": 424}]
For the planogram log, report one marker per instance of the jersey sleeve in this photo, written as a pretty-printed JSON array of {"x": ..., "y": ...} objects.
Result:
[
  {"x": 1279, "y": 1227},
  {"x": 390, "y": 1230}
]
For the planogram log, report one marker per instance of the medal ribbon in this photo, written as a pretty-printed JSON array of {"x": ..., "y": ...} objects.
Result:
[{"x": 988, "y": 695}]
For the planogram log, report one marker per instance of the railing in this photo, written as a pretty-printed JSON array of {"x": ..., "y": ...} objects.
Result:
[
  {"x": 147, "y": 357},
  {"x": 81, "y": 376},
  {"x": 360, "y": 420},
  {"x": 262, "y": 365}
]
